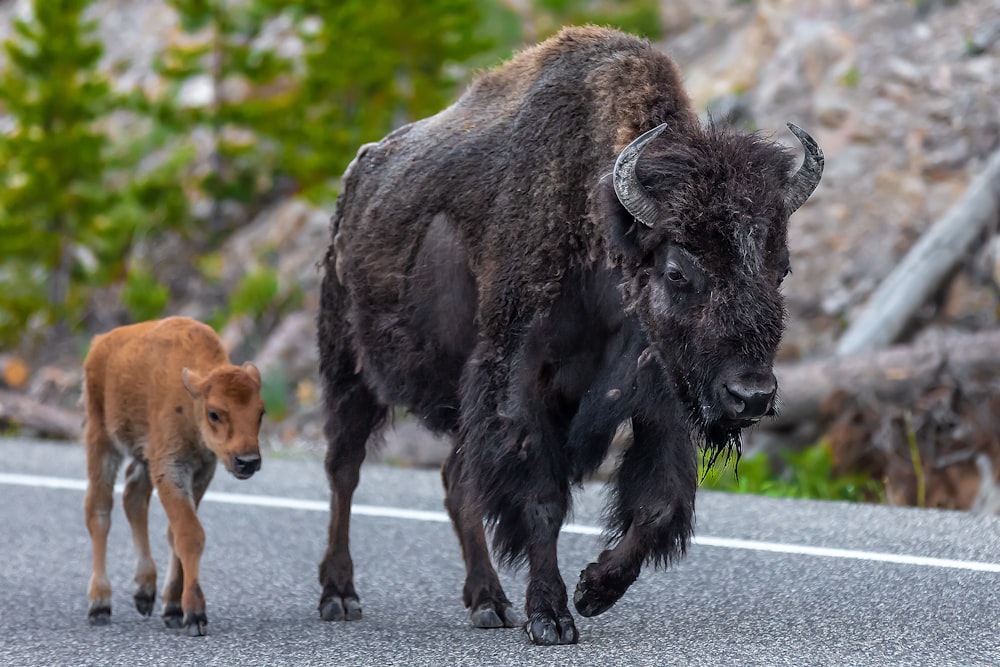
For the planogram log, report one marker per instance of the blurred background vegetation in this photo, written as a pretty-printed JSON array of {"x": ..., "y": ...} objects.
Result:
[
  {"x": 182, "y": 157},
  {"x": 91, "y": 173}
]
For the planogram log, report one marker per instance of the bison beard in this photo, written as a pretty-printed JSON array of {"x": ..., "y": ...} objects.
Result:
[{"x": 563, "y": 249}]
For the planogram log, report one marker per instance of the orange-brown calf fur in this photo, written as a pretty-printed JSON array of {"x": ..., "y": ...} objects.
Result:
[{"x": 164, "y": 394}]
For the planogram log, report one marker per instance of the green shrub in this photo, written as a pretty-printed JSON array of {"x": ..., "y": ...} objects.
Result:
[
  {"x": 255, "y": 294},
  {"x": 804, "y": 474},
  {"x": 143, "y": 296},
  {"x": 640, "y": 17},
  {"x": 274, "y": 393}
]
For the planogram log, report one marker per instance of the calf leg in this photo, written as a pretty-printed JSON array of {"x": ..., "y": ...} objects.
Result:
[
  {"x": 187, "y": 543},
  {"x": 138, "y": 489},
  {"x": 483, "y": 596},
  {"x": 653, "y": 511},
  {"x": 173, "y": 589},
  {"x": 103, "y": 462}
]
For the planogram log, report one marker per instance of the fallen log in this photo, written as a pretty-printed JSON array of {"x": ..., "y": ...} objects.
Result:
[
  {"x": 43, "y": 420},
  {"x": 923, "y": 270},
  {"x": 887, "y": 375}
]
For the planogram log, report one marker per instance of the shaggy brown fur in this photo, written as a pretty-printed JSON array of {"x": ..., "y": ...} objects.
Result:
[
  {"x": 484, "y": 274},
  {"x": 165, "y": 394}
]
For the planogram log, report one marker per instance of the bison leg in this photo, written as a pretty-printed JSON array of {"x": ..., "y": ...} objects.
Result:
[
  {"x": 549, "y": 620},
  {"x": 483, "y": 596},
  {"x": 138, "y": 489},
  {"x": 519, "y": 476},
  {"x": 354, "y": 416},
  {"x": 653, "y": 510},
  {"x": 103, "y": 462}
]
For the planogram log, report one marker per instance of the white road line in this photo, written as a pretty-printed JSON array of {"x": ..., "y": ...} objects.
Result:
[{"x": 440, "y": 517}]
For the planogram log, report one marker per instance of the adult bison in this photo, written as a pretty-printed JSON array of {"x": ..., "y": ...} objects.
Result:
[{"x": 563, "y": 249}]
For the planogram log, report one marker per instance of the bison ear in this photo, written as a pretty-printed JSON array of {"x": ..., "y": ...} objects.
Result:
[
  {"x": 192, "y": 382},
  {"x": 252, "y": 371},
  {"x": 623, "y": 231}
]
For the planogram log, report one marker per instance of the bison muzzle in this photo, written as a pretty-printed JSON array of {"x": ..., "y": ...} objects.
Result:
[{"x": 564, "y": 249}]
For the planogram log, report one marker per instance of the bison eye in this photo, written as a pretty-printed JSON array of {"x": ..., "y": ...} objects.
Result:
[
  {"x": 213, "y": 416},
  {"x": 675, "y": 275}
]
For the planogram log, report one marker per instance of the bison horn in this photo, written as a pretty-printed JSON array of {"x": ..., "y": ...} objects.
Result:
[
  {"x": 807, "y": 177},
  {"x": 630, "y": 192}
]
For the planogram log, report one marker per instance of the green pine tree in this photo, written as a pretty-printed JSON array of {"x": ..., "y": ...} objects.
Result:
[
  {"x": 226, "y": 51},
  {"x": 640, "y": 17},
  {"x": 370, "y": 66},
  {"x": 55, "y": 233},
  {"x": 72, "y": 202}
]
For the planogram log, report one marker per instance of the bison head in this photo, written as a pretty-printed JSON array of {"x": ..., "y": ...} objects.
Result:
[{"x": 697, "y": 220}]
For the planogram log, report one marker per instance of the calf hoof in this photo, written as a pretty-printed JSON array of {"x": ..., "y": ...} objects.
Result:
[
  {"x": 544, "y": 630},
  {"x": 173, "y": 617},
  {"x": 99, "y": 614},
  {"x": 340, "y": 609},
  {"x": 494, "y": 615},
  {"x": 196, "y": 624},
  {"x": 144, "y": 602}
]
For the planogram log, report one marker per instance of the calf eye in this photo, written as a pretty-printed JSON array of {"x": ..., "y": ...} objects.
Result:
[{"x": 213, "y": 416}]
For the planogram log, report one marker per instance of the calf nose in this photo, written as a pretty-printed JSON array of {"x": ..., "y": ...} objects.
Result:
[
  {"x": 749, "y": 397},
  {"x": 246, "y": 464}
]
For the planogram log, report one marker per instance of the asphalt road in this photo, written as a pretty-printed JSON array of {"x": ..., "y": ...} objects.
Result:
[{"x": 769, "y": 582}]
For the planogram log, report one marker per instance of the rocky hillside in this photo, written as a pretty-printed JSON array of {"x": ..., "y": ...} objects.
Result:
[{"x": 903, "y": 97}]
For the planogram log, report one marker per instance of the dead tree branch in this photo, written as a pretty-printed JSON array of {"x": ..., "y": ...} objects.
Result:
[
  {"x": 887, "y": 374},
  {"x": 44, "y": 420},
  {"x": 926, "y": 266}
]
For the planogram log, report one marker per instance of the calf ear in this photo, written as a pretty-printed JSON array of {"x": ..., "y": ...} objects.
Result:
[
  {"x": 252, "y": 371},
  {"x": 192, "y": 382},
  {"x": 621, "y": 229}
]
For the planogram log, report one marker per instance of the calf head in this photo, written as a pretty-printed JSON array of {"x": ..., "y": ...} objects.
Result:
[
  {"x": 228, "y": 410},
  {"x": 698, "y": 226}
]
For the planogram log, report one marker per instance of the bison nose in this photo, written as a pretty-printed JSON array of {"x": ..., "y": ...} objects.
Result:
[
  {"x": 749, "y": 397},
  {"x": 245, "y": 465}
]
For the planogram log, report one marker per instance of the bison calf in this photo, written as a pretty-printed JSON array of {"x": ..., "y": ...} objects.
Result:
[{"x": 164, "y": 393}]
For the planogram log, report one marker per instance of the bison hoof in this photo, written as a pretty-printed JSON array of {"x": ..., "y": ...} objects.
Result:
[
  {"x": 340, "y": 609},
  {"x": 99, "y": 614},
  {"x": 487, "y": 615},
  {"x": 173, "y": 617},
  {"x": 144, "y": 602},
  {"x": 589, "y": 602},
  {"x": 595, "y": 594},
  {"x": 544, "y": 630},
  {"x": 196, "y": 624}
]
